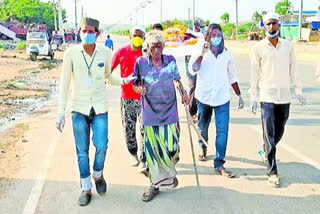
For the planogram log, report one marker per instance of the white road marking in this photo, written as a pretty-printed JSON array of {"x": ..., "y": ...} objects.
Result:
[
  {"x": 36, "y": 191},
  {"x": 291, "y": 150}
]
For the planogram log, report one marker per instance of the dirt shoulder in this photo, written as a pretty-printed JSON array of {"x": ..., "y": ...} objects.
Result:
[{"x": 25, "y": 84}]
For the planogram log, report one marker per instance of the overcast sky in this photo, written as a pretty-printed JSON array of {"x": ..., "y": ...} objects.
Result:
[{"x": 115, "y": 11}]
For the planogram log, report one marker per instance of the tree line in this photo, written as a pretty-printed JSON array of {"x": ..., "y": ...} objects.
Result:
[{"x": 30, "y": 12}]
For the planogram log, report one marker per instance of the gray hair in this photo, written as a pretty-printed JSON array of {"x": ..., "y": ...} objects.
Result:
[{"x": 155, "y": 36}]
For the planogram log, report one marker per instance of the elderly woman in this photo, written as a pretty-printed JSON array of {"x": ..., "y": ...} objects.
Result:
[
  {"x": 156, "y": 74},
  {"x": 215, "y": 69}
]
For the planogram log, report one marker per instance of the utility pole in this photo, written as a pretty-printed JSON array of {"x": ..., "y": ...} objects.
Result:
[
  {"x": 60, "y": 19},
  {"x": 142, "y": 16},
  {"x": 300, "y": 19},
  {"x": 237, "y": 23},
  {"x": 82, "y": 11},
  {"x": 189, "y": 21},
  {"x": 54, "y": 16},
  {"x": 76, "y": 21},
  {"x": 137, "y": 15},
  {"x": 194, "y": 14},
  {"x": 160, "y": 11}
]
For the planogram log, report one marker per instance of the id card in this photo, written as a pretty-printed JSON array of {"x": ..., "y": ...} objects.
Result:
[{"x": 88, "y": 81}]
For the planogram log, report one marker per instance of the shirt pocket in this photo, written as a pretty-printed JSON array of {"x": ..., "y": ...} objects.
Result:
[{"x": 98, "y": 70}]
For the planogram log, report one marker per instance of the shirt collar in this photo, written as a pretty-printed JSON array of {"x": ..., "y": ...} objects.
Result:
[
  {"x": 163, "y": 57},
  {"x": 267, "y": 42},
  {"x": 81, "y": 48}
]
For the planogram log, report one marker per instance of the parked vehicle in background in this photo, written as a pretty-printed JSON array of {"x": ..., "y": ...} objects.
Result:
[
  {"x": 20, "y": 29},
  {"x": 38, "y": 44},
  {"x": 69, "y": 36},
  {"x": 56, "y": 42}
]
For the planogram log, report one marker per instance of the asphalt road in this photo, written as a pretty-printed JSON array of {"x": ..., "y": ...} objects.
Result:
[{"x": 48, "y": 180}]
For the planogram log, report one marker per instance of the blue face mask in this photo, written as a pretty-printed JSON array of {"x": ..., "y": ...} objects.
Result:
[
  {"x": 88, "y": 38},
  {"x": 203, "y": 30},
  {"x": 272, "y": 35},
  {"x": 216, "y": 41}
]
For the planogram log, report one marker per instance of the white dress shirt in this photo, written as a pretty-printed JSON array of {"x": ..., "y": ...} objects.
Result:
[
  {"x": 273, "y": 71},
  {"x": 214, "y": 78}
]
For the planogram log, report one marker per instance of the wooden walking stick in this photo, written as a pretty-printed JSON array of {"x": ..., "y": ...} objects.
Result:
[
  {"x": 195, "y": 127},
  {"x": 190, "y": 137}
]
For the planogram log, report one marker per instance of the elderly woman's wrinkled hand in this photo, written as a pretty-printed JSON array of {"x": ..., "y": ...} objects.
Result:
[{"x": 142, "y": 90}]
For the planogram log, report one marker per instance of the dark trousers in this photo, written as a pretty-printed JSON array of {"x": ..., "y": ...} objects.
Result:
[
  {"x": 193, "y": 109},
  {"x": 274, "y": 118},
  {"x": 130, "y": 114}
]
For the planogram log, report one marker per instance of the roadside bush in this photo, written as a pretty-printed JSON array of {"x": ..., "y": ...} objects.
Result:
[
  {"x": 242, "y": 36},
  {"x": 121, "y": 32},
  {"x": 21, "y": 45},
  {"x": 1, "y": 46},
  {"x": 228, "y": 29},
  {"x": 244, "y": 28}
]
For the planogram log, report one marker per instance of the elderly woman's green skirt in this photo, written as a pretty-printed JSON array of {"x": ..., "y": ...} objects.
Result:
[{"x": 162, "y": 153}]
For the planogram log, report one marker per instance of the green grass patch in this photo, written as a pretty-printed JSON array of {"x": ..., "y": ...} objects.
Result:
[
  {"x": 21, "y": 45},
  {"x": 1, "y": 46}
]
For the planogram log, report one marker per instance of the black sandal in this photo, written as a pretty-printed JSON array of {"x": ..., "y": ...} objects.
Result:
[
  {"x": 84, "y": 198},
  {"x": 150, "y": 194},
  {"x": 202, "y": 154}
]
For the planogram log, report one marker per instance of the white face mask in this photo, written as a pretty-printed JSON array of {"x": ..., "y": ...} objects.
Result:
[{"x": 272, "y": 35}]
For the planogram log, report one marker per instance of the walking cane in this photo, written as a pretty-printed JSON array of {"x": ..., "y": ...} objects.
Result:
[
  {"x": 194, "y": 126},
  {"x": 191, "y": 142}
]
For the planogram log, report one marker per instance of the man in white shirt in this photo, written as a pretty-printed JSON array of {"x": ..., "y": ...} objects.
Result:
[
  {"x": 273, "y": 71},
  {"x": 215, "y": 70},
  {"x": 89, "y": 65}
]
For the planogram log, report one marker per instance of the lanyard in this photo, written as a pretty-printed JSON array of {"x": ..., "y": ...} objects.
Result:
[{"x": 89, "y": 66}]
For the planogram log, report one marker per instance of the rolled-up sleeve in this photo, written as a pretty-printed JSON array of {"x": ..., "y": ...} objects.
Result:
[
  {"x": 232, "y": 70},
  {"x": 255, "y": 73},
  {"x": 65, "y": 78},
  {"x": 294, "y": 73}
]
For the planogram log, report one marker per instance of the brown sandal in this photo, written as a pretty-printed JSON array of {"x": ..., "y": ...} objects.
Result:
[
  {"x": 274, "y": 181},
  {"x": 150, "y": 194},
  {"x": 224, "y": 172}
]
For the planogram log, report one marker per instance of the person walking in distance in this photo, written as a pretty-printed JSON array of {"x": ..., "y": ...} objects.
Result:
[{"x": 109, "y": 43}]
